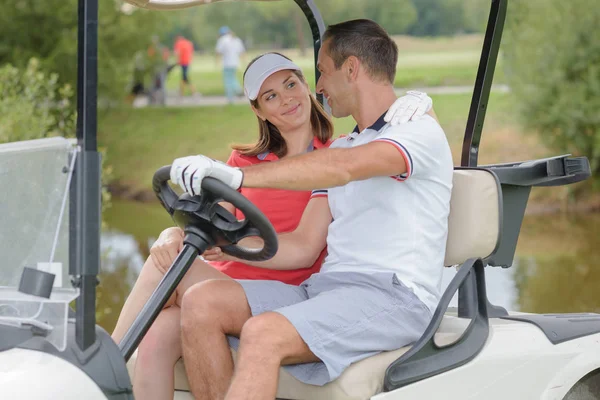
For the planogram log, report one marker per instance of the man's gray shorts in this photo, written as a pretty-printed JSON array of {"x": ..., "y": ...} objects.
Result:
[{"x": 342, "y": 316}]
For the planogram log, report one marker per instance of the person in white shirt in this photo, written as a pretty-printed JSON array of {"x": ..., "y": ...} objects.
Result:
[
  {"x": 230, "y": 48},
  {"x": 381, "y": 200}
]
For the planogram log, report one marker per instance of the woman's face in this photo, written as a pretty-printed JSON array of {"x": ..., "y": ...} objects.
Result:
[{"x": 284, "y": 100}]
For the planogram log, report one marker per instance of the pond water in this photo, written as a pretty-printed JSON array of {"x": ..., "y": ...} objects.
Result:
[{"x": 556, "y": 267}]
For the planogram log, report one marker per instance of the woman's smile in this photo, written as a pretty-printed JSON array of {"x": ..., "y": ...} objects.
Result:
[{"x": 292, "y": 111}]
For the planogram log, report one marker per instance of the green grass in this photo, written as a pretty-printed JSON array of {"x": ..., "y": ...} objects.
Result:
[
  {"x": 138, "y": 141},
  {"x": 421, "y": 62}
]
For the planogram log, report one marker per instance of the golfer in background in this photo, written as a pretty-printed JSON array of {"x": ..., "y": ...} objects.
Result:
[{"x": 230, "y": 48}]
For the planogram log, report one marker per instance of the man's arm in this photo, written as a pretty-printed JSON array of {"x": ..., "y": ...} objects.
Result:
[
  {"x": 297, "y": 249},
  {"x": 327, "y": 167}
]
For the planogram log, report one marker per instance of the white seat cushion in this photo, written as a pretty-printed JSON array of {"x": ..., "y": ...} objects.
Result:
[
  {"x": 360, "y": 381},
  {"x": 475, "y": 216}
]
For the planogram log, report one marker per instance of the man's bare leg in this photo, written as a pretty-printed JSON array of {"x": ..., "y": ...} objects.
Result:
[
  {"x": 158, "y": 352},
  {"x": 267, "y": 341},
  {"x": 149, "y": 278},
  {"x": 211, "y": 310}
]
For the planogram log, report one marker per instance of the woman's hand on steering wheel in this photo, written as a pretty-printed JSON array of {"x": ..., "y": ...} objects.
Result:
[
  {"x": 166, "y": 248},
  {"x": 216, "y": 254}
]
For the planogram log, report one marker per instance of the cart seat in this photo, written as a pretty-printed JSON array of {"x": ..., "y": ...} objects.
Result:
[{"x": 473, "y": 231}]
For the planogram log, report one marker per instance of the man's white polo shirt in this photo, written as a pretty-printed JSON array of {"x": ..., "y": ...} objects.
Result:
[{"x": 398, "y": 223}]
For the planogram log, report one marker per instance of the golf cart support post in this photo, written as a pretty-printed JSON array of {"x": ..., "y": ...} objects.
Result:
[
  {"x": 84, "y": 205},
  {"x": 515, "y": 179}
]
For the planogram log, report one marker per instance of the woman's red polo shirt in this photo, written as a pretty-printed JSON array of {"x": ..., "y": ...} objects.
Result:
[{"x": 284, "y": 209}]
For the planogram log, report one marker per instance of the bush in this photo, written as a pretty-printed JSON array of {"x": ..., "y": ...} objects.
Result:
[
  {"x": 553, "y": 67},
  {"x": 33, "y": 105}
]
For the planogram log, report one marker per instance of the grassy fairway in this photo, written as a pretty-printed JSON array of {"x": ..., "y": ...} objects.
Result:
[
  {"x": 421, "y": 62},
  {"x": 138, "y": 141}
]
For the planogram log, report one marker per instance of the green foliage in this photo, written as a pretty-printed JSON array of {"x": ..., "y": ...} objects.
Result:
[
  {"x": 438, "y": 17},
  {"x": 47, "y": 30},
  {"x": 396, "y": 16},
  {"x": 33, "y": 104},
  {"x": 553, "y": 66},
  {"x": 275, "y": 24}
]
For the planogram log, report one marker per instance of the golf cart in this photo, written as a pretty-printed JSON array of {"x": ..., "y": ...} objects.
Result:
[{"x": 476, "y": 350}]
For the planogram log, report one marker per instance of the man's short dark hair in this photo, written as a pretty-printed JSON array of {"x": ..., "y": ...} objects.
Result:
[{"x": 368, "y": 42}]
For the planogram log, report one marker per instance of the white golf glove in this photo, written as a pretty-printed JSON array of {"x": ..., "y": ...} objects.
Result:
[
  {"x": 412, "y": 106},
  {"x": 188, "y": 172}
]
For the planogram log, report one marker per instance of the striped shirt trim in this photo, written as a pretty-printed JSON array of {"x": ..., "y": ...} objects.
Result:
[
  {"x": 319, "y": 193},
  {"x": 405, "y": 154}
]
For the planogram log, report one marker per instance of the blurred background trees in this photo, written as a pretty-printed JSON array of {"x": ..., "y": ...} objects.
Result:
[
  {"x": 48, "y": 30},
  {"x": 552, "y": 59}
]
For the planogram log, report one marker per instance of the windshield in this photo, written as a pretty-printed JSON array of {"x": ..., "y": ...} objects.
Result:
[{"x": 33, "y": 178}]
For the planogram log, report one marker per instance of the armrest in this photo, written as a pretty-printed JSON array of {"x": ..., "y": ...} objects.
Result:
[
  {"x": 425, "y": 358},
  {"x": 553, "y": 171}
]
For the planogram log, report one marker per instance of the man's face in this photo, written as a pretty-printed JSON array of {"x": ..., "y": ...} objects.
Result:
[{"x": 333, "y": 84}]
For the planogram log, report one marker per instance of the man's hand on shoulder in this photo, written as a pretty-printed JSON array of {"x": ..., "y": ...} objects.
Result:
[
  {"x": 410, "y": 107},
  {"x": 188, "y": 172}
]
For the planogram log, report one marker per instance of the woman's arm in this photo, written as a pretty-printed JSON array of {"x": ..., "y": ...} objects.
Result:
[{"x": 297, "y": 249}]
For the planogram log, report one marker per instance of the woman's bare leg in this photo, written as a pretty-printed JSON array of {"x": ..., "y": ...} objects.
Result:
[
  {"x": 149, "y": 278},
  {"x": 158, "y": 352}
]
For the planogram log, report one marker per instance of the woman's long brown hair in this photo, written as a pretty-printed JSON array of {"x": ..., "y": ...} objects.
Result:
[{"x": 270, "y": 139}]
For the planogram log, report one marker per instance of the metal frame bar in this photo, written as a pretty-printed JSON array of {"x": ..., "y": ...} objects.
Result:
[
  {"x": 481, "y": 94},
  {"x": 425, "y": 358},
  {"x": 483, "y": 83},
  {"x": 85, "y": 191},
  {"x": 317, "y": 28}
]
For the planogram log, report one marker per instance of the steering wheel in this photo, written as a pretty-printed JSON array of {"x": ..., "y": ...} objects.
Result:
[{"x": 202, "y": 215}]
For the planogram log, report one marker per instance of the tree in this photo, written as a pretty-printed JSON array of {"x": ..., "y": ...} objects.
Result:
[
  {"x": 47, "y": 30},
  {"x": 553, "y": 66},
  {"x": 476, "y": 14},
  {"x": 438, "y": 17},
  {"x": 394, "y": 15}
]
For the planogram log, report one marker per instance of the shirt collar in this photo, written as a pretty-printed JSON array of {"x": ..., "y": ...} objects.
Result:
[
  {"x": 268, "y": 156},
  {"x": 377, "y": 125}
]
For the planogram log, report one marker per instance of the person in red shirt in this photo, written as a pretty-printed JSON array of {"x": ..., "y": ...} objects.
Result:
[
  {"x": 184, "y": 49},
  {"x": 291, "y": 122}
]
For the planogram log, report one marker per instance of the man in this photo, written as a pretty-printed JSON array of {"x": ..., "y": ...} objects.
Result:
[
  {"x": 381, "y": 205},
  {"x": 185, "y": 51},
  {"x": 230, "y": 48}
]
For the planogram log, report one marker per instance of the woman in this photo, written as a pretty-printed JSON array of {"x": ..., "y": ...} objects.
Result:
[{"x": 291, "y": 122}]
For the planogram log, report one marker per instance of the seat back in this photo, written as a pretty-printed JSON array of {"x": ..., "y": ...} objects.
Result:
[{"x": 475, "y": 220}]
